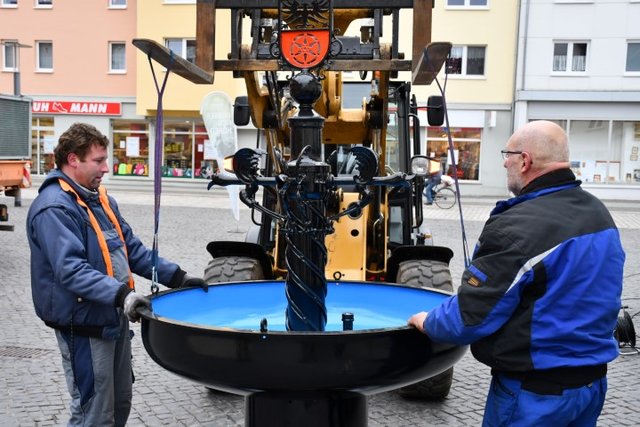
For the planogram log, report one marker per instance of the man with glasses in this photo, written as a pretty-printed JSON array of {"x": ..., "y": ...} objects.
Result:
[{"x": 539, "y": 301}]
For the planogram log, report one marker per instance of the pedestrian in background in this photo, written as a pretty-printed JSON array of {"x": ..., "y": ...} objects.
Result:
[
  {"x": 434, "y": 178},
  {"x": 83, "y": 254},
  {"x": 540, "y": 299}
]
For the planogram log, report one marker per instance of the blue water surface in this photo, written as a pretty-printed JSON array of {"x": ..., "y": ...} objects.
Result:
[{"x": 244, "y": 305}]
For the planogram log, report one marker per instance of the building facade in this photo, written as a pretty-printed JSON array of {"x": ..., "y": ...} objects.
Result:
[
  {"x": 187, "y": 151},
  {"x": 579, "y": 65},
  {"x": 572, "y": 61},
  {"x": 479, "y": 90},
  {"x": 73, "y": 69}
]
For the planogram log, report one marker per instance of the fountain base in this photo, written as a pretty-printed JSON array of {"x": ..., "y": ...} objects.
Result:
[{"x": 309, "y": 409}]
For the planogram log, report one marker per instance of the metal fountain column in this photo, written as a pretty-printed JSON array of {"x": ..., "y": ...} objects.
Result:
[
  {"x": 303, "y": 187},
  {"x": 303, "y": 196}
]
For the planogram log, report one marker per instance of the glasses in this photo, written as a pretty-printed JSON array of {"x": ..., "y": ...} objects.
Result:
[{"x": 507, "y": 153}]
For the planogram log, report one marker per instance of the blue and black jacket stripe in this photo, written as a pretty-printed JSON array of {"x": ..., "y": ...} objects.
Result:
[{"x": 543, "y": 288}]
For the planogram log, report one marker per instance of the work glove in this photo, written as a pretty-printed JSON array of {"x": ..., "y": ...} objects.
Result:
[
  {"x": 132, "y": 302},
  {"x": 182, "y": 279}
]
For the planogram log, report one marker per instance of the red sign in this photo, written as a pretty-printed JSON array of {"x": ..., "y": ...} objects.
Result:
[
  {"x": 304, "y": 48},
  {"x": 76, "y": 107}
]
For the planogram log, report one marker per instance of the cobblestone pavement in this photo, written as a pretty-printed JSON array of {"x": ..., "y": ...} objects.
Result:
[{"x": 33, "y": 387}]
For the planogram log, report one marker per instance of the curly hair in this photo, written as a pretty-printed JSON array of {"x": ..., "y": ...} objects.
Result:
[{"x": 78, "y": 139}]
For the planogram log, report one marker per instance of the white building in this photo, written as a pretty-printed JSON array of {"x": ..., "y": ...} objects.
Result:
[{"x": 578, "y": 64}]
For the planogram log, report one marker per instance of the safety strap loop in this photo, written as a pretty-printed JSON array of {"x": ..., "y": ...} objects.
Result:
[{"x": 102, "y": 242}]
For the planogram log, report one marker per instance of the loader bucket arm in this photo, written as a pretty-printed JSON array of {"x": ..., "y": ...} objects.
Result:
[{"x": 240, "y": 59}]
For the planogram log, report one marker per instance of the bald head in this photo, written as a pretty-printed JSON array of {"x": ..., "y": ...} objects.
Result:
[
  {"x": 544, "y": 148},
  {"x": 545, "y": 141}
]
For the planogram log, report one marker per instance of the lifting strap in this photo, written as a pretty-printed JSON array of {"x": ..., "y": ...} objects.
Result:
[
  {"x": 157, "y": 175},
  {"x": 104, "y": 202},
  {"x": 454, "y": 168}
]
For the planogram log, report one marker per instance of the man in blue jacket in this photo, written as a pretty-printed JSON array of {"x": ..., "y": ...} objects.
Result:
[
  {"x": 83, "y": 254},
  {"x": 540, "y": 299}
]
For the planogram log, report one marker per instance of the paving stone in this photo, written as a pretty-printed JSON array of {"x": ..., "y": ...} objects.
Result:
[{"x": 34, "y": 391}]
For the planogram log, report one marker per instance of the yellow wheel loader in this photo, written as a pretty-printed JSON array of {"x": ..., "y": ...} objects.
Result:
[{"x": 341, "y": 185}]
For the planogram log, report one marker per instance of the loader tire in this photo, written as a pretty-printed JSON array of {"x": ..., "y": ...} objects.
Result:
[
  {"x": 233, "y": 269},
  {"x": 423, "y": 273},
  {"x": 432, "y": 275}
]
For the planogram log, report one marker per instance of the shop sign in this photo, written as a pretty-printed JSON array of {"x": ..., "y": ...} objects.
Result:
[{"x": 76, "y": 107}]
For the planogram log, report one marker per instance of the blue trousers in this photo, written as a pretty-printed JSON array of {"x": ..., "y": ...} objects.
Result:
[
  {"x": 431, "y": 182},
  {"x": 509, "y": 405},
  {"x": 428, "y": 191},
  {"x": 99, "y": 377}
]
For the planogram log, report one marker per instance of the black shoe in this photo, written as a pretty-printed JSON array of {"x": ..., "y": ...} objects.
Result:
[{"x": 429, "y": 203}]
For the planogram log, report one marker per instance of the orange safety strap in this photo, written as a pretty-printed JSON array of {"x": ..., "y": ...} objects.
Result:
[{"x": 104, "y": 201}]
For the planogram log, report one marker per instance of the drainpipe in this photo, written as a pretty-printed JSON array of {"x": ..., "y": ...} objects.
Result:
[{"x": 525, "y": 39}]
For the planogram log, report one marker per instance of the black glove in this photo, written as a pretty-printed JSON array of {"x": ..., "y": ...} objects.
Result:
[
  {"x": 132, "y": 302},
  {"x": 182, "y": 279}
]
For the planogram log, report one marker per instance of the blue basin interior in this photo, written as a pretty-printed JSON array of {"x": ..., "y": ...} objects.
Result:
[
  {"x": 214, "y": 338},
  {"x": 243, "y": 305}
]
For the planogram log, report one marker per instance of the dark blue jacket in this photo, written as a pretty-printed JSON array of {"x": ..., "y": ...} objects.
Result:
[
  {"x": 543, "y": 288},
  {"x": 69, "y": 283}
]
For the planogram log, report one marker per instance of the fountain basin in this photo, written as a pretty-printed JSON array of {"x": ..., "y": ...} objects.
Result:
[{"x": 214, "y": 338}]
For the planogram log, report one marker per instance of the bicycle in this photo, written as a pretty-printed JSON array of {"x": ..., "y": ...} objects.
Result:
[{"x": 444, "y": 196}]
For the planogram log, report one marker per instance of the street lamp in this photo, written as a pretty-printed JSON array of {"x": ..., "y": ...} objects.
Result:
[{"x": 14, "y": 46}]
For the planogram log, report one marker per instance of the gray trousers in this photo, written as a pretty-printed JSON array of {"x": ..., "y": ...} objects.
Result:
[{"x": 99, "y": 377}]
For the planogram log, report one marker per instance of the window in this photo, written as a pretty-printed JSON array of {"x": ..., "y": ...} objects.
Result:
[
  {"x": 9, "y": 3},
  {"x": 605, "y": 151},
  {"x": 466, "y": 60},
  {"x": 117, "y": 4},
  {"x": 9, "y": 55},
  {"x": 466, "y": 148},
  {"x": 117, "y": 59},
  {"x": 130, "y": 148},
  {"x": 45, "y": 4},
  {"x": 467, "y": 3},
  {"x": 354, "y": 92},
  {"x": 570, "y": 57},
  {"x": 45, "y": 56},
  {"x": 184, "y": 150},
  {"x": 633, "y": 57},
  {"x": 43, "y": 142},
  {"x": 186, "y": 48}
]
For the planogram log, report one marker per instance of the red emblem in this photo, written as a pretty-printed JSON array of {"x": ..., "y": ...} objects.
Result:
[{"x": 304, "y": 48}]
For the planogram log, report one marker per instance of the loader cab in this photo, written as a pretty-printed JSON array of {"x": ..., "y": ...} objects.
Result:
[
  {"x": 402, "y": 140},
  {"x": 390, "y": 220},
  {"x": 396, "y": 149}
]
